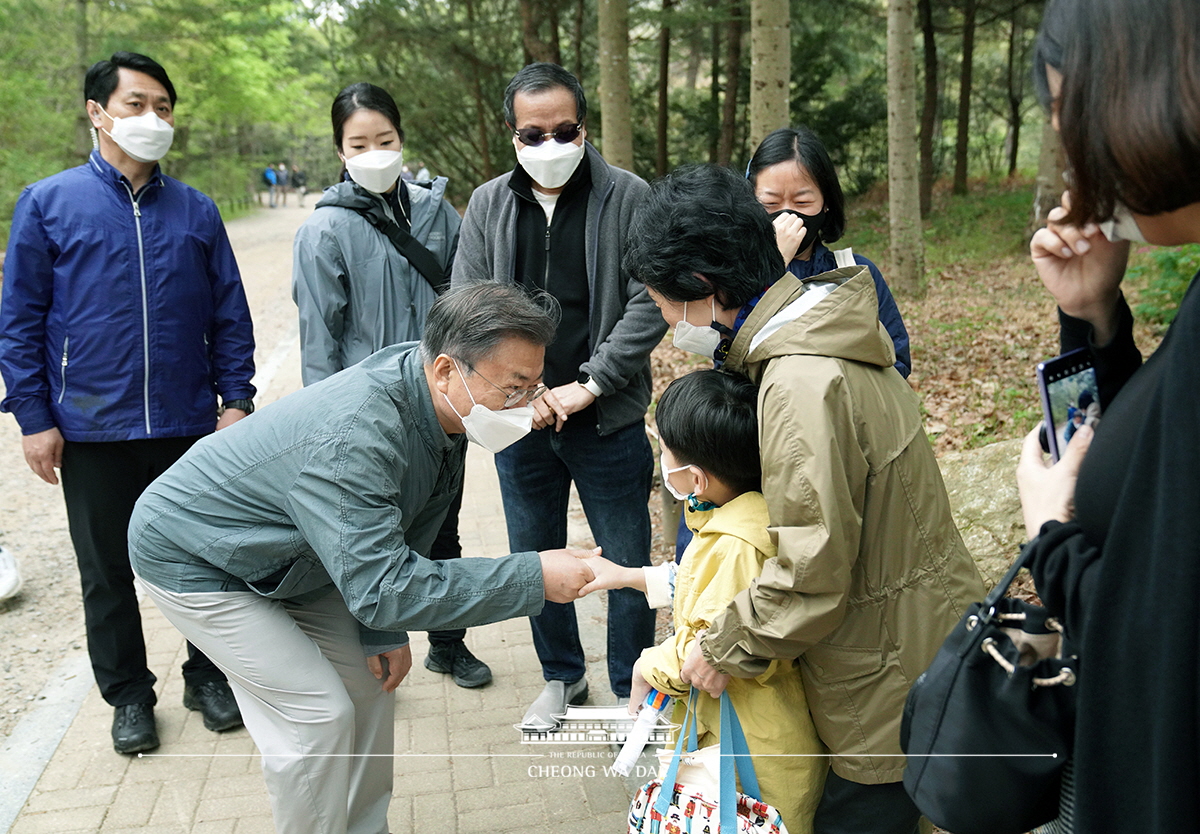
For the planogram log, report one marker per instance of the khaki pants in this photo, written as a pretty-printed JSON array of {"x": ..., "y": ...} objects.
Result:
[{"x": 321, "y": 720}]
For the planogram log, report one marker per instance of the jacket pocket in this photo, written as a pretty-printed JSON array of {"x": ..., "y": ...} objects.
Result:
[
  {"x": 838, "y": 664},
  {"x": 62, "y": 374}
]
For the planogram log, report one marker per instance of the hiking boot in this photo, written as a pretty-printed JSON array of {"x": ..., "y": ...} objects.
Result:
[
  {"x": 456, "y": 660},
  {"x": 133, "y": 729},
  {"x": 215, "y": 701}
]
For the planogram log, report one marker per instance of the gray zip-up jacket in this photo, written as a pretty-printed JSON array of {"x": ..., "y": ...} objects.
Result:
[
  {"x": 624, "y": 322},
  {"x": 341, "y": 484},
  {"x": 355, "y": 291}
]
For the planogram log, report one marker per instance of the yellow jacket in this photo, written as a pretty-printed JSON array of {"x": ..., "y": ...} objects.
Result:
[{"x": 728, "y": 551}]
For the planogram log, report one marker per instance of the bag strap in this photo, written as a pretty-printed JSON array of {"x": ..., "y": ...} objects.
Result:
[
  {"x": 844, "y": 257},
  {"x": 667, "y": 789},
  {"x": 408, "y": 246},
  {"x": 989, "y": 602},
  {"x": 734, "y": 752}
]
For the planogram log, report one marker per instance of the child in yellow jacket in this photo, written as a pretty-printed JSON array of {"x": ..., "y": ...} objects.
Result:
[{"x": 708, "y": 427}]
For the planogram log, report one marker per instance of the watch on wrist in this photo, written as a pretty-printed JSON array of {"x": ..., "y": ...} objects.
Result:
[
  {"x": 241, "y": 405},
  {"x": 589, "y": 384}
]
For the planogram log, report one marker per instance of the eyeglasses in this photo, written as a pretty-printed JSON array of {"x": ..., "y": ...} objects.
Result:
[
  {"x": 533, "y": 137},
  {"x": 513, "y": 398}
]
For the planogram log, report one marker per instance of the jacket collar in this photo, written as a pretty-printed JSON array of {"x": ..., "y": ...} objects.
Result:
[
  {"x": 420, "y": 398},
  {"x": 109, "y": 173}
]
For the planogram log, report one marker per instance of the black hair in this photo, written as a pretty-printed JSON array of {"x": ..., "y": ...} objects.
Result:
[
  {"x": 709, "y": 419},
  {"x": 362, "y": 96},
  {"x": 703, "y": 220},
  {"x": 1129, "y": 112},
  {"x": 801, "y": 145},
  {"x": 103, "y": 76},
  {"x": 467, "y": 323},
  {"x": 534, "y": 78}
]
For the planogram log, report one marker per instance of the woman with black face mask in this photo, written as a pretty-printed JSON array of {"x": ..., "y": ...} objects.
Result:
[{"x": 794, "y": 179}]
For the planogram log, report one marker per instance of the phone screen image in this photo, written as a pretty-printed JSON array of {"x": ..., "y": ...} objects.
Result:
[{"x": 1070, "y": 397}]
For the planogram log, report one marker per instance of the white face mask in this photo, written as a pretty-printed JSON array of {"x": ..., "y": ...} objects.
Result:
[
  {"x": 1122, "y": 226},
  {"x": 376, "y": 171},
  {"x": 144, "y": 138},
  {"x": 551, "y": 163},
  {"x": 666, "y": 476},
  {"x": 701, "y": 339},
  {"x": 493, "y": 430}
]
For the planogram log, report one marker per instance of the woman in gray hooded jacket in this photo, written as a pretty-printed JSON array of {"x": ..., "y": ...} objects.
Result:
[{"x": 367, "y": 266}]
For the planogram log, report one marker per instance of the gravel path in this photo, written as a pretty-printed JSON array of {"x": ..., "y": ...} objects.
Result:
[{"x": 43, "y": 626}]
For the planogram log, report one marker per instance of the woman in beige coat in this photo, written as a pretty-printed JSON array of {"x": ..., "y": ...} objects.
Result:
[{"x": 871, "y": 573}]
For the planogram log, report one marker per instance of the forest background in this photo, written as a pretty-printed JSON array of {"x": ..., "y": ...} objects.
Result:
[{"x": 926, "y": 106}]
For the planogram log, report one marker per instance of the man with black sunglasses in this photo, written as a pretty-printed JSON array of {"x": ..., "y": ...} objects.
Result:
[{"x": 558, "y": 222}]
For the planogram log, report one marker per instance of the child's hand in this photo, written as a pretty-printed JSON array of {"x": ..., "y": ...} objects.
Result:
[
  {"x": 609, "y": 576},
  {"x": 639, "y": 688}
]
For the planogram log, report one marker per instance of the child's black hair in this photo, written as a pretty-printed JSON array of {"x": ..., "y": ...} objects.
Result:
[{"x": 709, "y": 419}]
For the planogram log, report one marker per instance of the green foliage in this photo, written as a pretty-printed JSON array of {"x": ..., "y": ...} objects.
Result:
[{"x": 1161, "y": 277}]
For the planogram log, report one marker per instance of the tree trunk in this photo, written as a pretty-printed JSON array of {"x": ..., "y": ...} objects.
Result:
[
  {"x": 964, "y": 98},
  {"x": 770, "y": 67},
  {"x": 83, "y": 125},
  {"x": 580, "y": 8},
  {"x": 714, "y": 87},
  {"x": 482, "y": 125},
  {"x": 1050, "y": 185},
  {"x": 616, "y": 112},
  {"x": 664, "y": 71},
  {"x": 533, "y": 14},
  {"x": 904, "y": 204},
  {"x": 1014, "y": 97},
  {"x": 929, "y": 109},
  {"x": 733, "y": 68}
]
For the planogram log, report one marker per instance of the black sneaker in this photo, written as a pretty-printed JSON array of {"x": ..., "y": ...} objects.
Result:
[
  {"x": 455, "y": 659},
  {"x": 215, "y": 701},
  {"x": 133, "y": 729}
]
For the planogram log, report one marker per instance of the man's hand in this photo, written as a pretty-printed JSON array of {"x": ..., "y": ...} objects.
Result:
[
  {"x": 394, "y": 665},
  {"x": 231, "y": 416},
  {"x": 1048, "y": 492},
  {"x": 700, "y": 673},
  {"x": 557, "y": 404},
  {"x": 565, "y": 572},
  {"x": 43, "y": 453}
]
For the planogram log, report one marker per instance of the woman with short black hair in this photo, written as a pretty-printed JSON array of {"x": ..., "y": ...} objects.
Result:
[{"x": 1116, "y": 532}]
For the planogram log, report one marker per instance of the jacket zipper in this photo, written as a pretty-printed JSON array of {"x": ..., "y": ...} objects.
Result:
[
  {"x": 137, "y": 219},
  {"x": 546, "y": 276},
  {"x": 62, "y": 389}
]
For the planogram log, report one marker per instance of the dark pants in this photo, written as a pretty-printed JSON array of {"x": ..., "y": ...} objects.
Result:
[
  {"x": 101, "y": 483},
  {"x": 850, "y": 808},
  {"x": 613, "y": 474},
  {"x": 447, "y": 546}
]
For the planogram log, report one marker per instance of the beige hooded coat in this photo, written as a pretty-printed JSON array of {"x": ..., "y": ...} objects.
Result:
[{"x": 871, "y": 573}]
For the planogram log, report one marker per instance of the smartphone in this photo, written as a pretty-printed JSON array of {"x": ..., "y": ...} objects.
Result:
[{"x": 1070, "y": 397}]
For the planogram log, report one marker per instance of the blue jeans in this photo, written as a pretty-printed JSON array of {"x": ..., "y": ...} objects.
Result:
[{"x": 613, "y": 475}]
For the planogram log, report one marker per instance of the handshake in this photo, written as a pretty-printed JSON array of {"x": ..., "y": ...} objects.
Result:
[{"x": 569, "y": 574}]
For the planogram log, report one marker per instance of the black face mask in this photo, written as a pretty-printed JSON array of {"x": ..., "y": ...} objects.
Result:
[{"x": 812, "y": 226}]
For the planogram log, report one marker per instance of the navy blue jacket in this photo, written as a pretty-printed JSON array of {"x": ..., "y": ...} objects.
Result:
[
  {"x": 123, "y": 316},
  {"x": 823, "y": 260}
]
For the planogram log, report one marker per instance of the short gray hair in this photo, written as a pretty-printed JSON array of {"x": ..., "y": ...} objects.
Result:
[
  {"x": 468, "y": 323},
  {"x": 537, "y": 78}
]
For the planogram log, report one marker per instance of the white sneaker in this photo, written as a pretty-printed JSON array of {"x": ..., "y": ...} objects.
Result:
[{"x": 10, "y": 575}]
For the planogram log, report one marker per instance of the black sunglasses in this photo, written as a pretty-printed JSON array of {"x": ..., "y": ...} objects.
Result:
[{"x": 533, "y": 137}]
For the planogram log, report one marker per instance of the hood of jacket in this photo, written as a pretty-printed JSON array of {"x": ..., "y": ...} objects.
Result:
[
  {"x": 744, "y": 517},
  {"x": 842, "y": 324}
]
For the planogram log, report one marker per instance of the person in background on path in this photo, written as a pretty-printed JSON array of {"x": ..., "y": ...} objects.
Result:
[
  {"x": 423, "y": 174},
  {"x": 558, "y": 222},
  {"x": 1113, "y": 524},
  {"x": 289, "y": 547},
  {"x": 871, "y": 574},
  {"x": 281, "y": 177},
  {"x": 123, "y": 319},
  {"x": 358, "y": 292},
  {"x": 797, "y": 183},
  {"x": 709, "y": 432},
  {"x": 300, "y": 183},
  {"x": 271, "y": 179}
]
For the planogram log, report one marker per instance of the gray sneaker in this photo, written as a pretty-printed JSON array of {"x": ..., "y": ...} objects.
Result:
[
  {"x": 547, "y": 711},
  {"x": 10, "y": 575}
]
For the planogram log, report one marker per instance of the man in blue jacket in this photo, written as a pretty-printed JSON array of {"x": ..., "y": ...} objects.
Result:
[{"x": 123, "y": 318}]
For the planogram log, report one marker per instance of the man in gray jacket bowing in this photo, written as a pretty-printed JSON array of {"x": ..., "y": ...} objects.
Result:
[{"x": 289, "y": 550}]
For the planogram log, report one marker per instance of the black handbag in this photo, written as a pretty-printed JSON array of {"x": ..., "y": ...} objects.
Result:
[{"x": 990, "y": 725}]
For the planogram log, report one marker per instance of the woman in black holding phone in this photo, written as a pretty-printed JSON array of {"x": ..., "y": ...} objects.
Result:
[{"x": 1117, "y": 552}]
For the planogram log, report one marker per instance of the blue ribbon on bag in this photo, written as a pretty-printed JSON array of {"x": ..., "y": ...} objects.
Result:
[{"x": 734, "y": 754}]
